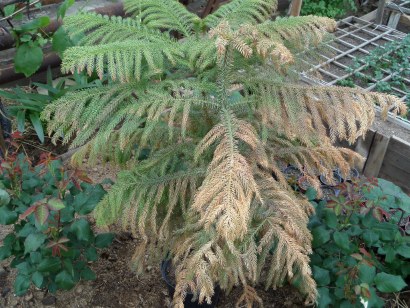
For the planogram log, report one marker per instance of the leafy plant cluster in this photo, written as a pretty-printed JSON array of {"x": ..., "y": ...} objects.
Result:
[
  {"x": 30, "y": 37},
  {"x": 52, "y": 243},
  {"x": 392, "y": 58},
  {"x": 26, "y": 107},
  {"x": 360, "y": 243},
  {"x": 328, "y": 8}
]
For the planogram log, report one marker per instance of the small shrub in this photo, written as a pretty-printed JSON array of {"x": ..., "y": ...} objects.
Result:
[
  {"x": 328, "y": 8},
  {"x": 51, "y": 242},
  {"x": 360, "y": 245}
]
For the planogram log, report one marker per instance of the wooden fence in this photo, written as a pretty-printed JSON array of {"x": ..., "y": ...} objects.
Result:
[{"x": 387, "y": 157}]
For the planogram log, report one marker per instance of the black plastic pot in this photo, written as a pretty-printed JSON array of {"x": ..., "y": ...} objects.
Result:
[
  {"x": 188, "y": 303},
  {"x": 353, "y": 174},
  {"x": 337, "y": 179}
]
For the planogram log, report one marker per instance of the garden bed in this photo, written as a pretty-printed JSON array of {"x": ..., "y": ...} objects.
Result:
[{"x": 342, "y": 61}]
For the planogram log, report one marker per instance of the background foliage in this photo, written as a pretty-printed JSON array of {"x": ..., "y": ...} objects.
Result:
[
  {"x": 360, "y": 243},
  {"x": 329, "y": 8},
  {"x": 52, "y": 243}
]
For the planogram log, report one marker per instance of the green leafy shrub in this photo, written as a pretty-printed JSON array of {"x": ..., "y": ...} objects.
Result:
[
  {"x": 27, "y": 107},
  {"x": 360, "y": 244},
  {"x": 51, "y": 242},
  {"x": 392, "y": 58},
  {"x": 30, "y": 37},
  {"x": 329, "y": 8}
]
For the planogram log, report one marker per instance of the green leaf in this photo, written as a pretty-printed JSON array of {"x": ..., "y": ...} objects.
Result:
[
  {"x": 330, "y": 218},
  {"x": 49, "y": 265},
  {"x": 321, "y": 276},
  {"x": 61, "y": 41},
  {"x": 103, "y": 240},
  {"x": 64, "y": 281},
  {"x": 7, "y": 217},
  {"x": 63, "y": 8},
  {"x": 342, "y": 240},
  {"x": 4, "y": 197},
  {"x": 404, "y": 251},
  {"x": 370, "y": 238},
  {"x": 387, "y": 283},
  {"x": 85, "y": 202},
  {"x": 33, "y": 242},
  {"x": 38, "y": 126},
  {"x": 55, "y": 204},
  {"x": 311, "y": 193},
  {"x": 82, "y": 229},
  {"x": 320, "y": 236},
  {"x": 37, "y": 278},
  {"x": 35, "y": 257},
  {"x": 9, "y": 9},
  {"x": 366, "y": 273},
  {"x": 324, "y": 299},
  {"x": 41, "y": 214},
  {"x": 37, "y": 23},
  {"x": 91, "y": 254},
  {"x": 5, "y": 252},
  {"x": 21, "y": 120},
  {"x": 21, "y": 284},
  {"x": 88, "y": 274},
  {"x": 375, "y": 301},
  {"x": 28, "y": 59},
  {"x": 389, "y": 188}
]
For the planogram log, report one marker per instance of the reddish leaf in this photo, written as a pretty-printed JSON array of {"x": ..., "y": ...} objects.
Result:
[
  {"x": 30, "y": 210},
  {"x": 41, "y": 213},
  {"x": 56, "y": 251},
  {"x": 16, "y": 135},
  {"x": 357, "y": 256},
  {"x": 365, "y": 290},
  {"x": 5, "y": 165},
  {"x": 63, "y": 247},
  {"x": 82, "y": 175},
  {"x": 76, "y": 184},
  {"x": 63, "y": 240},
  {"x": 365, "y": 252}
]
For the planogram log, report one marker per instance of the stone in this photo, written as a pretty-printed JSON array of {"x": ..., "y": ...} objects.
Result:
[
  {"x": 5, "y": 291},
  {"x": 3, "y": 272},
  {"x": 49, "y": 300},
  {"x": 13, "y": 301},
  {"x": 79, "y": 290},
  {"x": 28, "y": 297}
]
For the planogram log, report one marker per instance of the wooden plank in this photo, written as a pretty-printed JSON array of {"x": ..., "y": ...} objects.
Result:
[
  {"x": 394, "y": 19},
  {"x": 295, "y": 7},
  {"x": 396, "y": 163},
  {"x": 363, "y": 145},
  {"x": 376, "y": 155},
  {"x": 380, "y": 11},
  {"x": 401, "y": 146},
  {"x": 369, "y": 16}
]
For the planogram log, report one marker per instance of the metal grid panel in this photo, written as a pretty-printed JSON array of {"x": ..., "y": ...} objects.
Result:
[{"x": 355, "y": 38}]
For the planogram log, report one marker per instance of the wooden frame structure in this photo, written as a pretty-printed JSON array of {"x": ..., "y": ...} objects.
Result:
[
  {"x": 395, "y": 10},
  {"x": 386, "y": 157}
]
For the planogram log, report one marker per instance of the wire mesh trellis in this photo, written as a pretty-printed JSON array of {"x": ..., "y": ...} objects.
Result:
[{"x": 354, "y": 40}]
